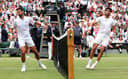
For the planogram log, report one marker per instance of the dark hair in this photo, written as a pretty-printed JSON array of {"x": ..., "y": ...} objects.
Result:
[
  {"x": 2, "y": 26},
  {"x": 77, "y": 22},
  {"x": 109, "y": 9},
  {"x": 20, "y": 8}
]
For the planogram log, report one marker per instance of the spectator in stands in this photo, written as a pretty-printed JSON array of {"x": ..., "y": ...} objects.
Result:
[
  {"x": 35, "y": 16},
  {"x": 24, "y": 4},
  {"x": 4, "y": 33},
  {"x": 62, "y": 11},
  {"x": 38, "y": 36},
  {"x": 48, "y": 33},
  {"x": 55, "y": 29},
  {"x": 30, "y": 4},
  {"x": 41, "y": 18},
  {"x": 47, "y": 20},
  {"x": 65, "y": 17},
  {"x": 67, "y": 22},
  {"x": 77, "y": 37},
  {"x": 13, "y": 39},
  {"x": 126, "y": 34},
  {"x": 120, "y": 40},
  {"x": 79, "y": 17},
  {"x": 67, "y": 27},
  {"x": 69, "y": 6},
  {"x": 84, "y": 26}
]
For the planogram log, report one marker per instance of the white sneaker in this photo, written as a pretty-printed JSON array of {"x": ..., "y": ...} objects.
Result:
[
  {"x": 43, "y": 66},
  {"x": 80, "y": 56},
  {"x": 23, "y": 69},
  {"x": 28, "y": 56},
  {"x": 88, "y": 66},
  {"x": 93, "y": 66}
]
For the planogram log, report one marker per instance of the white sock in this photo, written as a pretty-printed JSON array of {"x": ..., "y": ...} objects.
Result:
[
  {"x": 89, "y": 61},
  {"x": 39, "y": 62},
  {"x": 96, "y": 63}
]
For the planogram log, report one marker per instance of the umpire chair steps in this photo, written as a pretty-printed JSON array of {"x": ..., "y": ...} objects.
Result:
[{"x": 55, "y": 18}]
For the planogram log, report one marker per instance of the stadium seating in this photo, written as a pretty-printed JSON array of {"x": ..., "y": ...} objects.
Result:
[{"x": 4, "y": 48}]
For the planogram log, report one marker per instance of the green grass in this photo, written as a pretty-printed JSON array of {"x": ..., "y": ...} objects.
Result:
[
  {"x": 10, "y": 69},
  {"x": 112, "y": 66}
]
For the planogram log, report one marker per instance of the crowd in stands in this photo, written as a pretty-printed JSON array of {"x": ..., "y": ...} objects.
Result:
[{"x": 76, "y": 14}]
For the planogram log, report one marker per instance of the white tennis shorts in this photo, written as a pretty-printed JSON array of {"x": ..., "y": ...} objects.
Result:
[
  {"x": 102, "y": 39},
  {"x": 26, "y": 41}
]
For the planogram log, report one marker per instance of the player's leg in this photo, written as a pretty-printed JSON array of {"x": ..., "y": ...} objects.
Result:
[
  {"x": 28, "y": 51},
  {"x": 99, "y": 57},
  {"x": 23, "y": 51},
  {"x": 33, "y": 48},
  {"x": 104, "y": 44},
  {"x": 38, "y": 57},
  {"x": 95, "y": 45},
  {"x": 101, "y": 52},
  {"x": 31, "y": 44}
]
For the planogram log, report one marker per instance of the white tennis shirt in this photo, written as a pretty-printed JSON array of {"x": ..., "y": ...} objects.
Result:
[
  {"x": 22, "y": 26},
  {"x": 105, "y": 24}
]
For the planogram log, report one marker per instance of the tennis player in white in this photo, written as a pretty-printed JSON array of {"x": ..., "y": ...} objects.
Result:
[
  {"x": 24, "y": 37},
  {"x": 106, "y": 23}
]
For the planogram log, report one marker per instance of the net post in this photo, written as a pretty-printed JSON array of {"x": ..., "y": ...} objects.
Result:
[{"x": 70, "y": 38}]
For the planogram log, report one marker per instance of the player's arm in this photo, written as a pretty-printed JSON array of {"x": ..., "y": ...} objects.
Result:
[
  {"x": 113, "y": 26},
  {"x": 34, "y": 22},
  {"x": 93, "y": 23}
]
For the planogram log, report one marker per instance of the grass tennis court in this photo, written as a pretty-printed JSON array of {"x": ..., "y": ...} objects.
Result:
[{"x": 112, "y": 66}]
